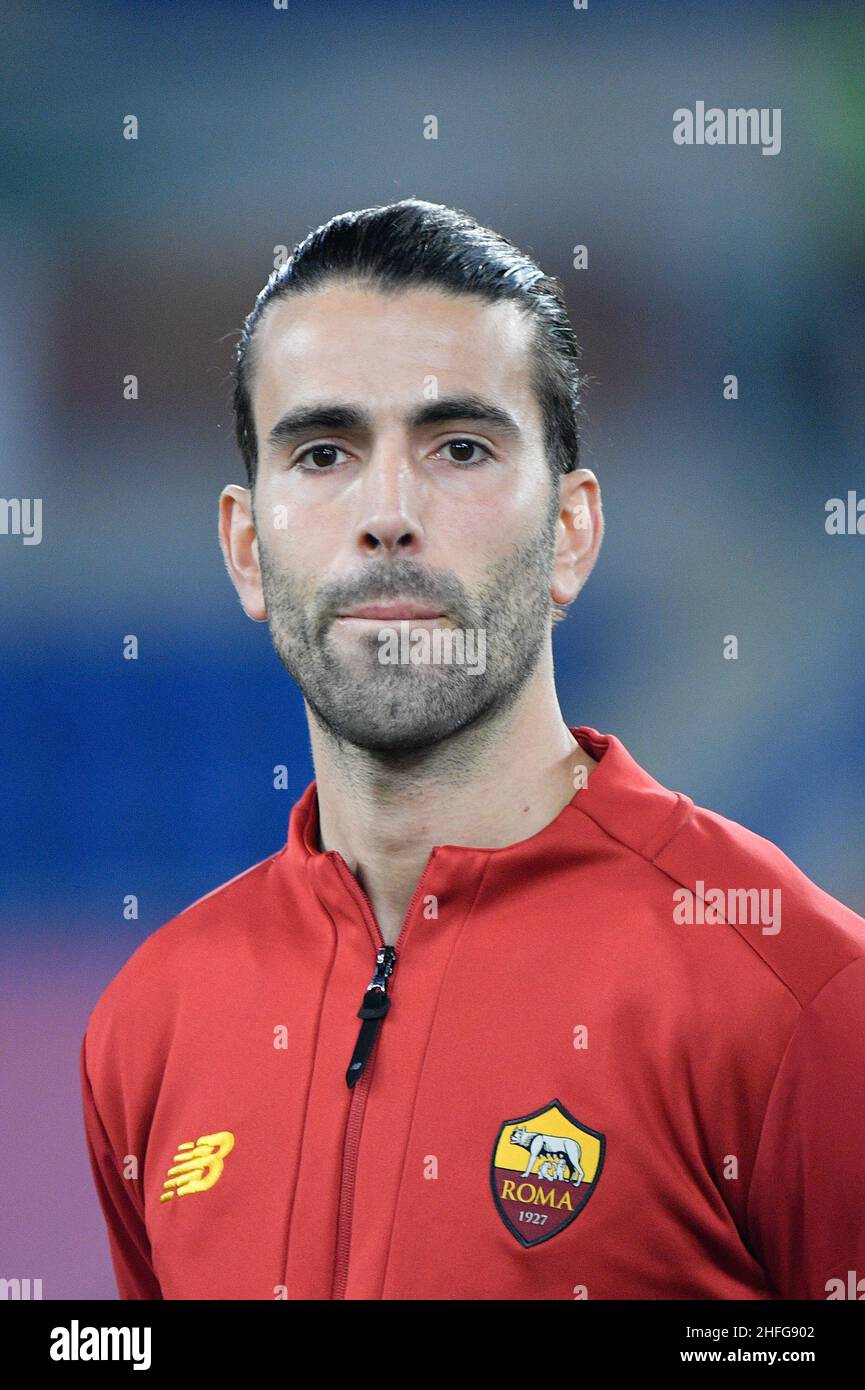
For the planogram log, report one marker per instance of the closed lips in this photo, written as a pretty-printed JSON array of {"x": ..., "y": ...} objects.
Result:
[{"x": 377, "y": 610}]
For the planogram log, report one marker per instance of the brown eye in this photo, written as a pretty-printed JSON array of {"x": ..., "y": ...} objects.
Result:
[
  {"x": 320, "y": 457},
  {"x": 461, "y": 451}
]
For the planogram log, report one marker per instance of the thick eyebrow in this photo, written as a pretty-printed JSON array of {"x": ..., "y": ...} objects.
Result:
[
  {"x": 316, "y": 419},
  {"x": 331, "y": 416},
  {"x": 474, "y": 408}
]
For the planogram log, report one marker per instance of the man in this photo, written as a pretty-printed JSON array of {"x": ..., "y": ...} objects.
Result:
[{"x": 504, "y": 1018}]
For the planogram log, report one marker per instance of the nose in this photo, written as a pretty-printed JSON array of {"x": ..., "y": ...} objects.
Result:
[{"x": 389, "y": 520}]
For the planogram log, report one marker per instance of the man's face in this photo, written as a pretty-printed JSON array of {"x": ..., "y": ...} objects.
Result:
[{"x": 451, "y": 517}]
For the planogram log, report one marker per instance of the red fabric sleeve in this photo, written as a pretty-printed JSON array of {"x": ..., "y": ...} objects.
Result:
[
  {"x": 127, "y": 1234},
  {"x": 806, "y": 1205}
]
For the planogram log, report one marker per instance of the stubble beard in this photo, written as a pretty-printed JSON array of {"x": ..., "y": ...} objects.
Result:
[{"x": 403, "y": 709}]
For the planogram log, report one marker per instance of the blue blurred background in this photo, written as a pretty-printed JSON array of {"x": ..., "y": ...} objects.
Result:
[{"x": 154, "y": 777}]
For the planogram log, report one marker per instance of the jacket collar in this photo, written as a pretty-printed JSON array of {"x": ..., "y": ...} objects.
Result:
[{"x": 620, "y": 797}]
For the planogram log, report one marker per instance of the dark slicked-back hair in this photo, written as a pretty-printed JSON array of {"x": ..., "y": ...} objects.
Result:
[{"x": 420, "y": 245}]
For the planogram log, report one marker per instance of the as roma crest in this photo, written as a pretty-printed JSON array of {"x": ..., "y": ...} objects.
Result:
[{"x": 545, "y": 1167}]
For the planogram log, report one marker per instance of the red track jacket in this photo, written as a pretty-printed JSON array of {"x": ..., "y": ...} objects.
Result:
[{"x": 575, "y": 1076}]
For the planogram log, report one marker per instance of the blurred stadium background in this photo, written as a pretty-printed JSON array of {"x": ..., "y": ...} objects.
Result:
[{"x": 555, "y": 127}]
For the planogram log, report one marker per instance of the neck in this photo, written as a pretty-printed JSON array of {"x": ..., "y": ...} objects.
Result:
[{"x": 489, "y": 785}]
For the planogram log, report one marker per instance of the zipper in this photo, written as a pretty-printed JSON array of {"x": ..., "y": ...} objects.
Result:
[{"x": 373, "y": 1008}]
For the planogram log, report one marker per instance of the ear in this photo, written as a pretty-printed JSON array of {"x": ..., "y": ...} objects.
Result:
[
  {"x": 239, "y": 543},
  {"x": 579, "y": 532}
]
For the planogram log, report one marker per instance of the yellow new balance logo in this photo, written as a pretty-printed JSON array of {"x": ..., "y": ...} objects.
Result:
[{"x": 197, "y": 1166}]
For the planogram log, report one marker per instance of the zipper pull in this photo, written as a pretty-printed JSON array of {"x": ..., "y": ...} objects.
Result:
[{"x": 374, "y": 1006}]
